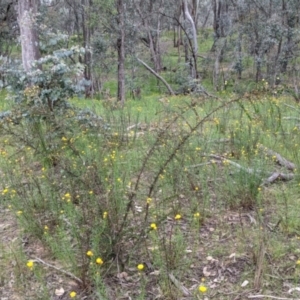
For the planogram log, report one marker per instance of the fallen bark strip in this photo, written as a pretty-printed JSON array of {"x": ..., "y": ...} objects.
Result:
[
  {"x": 269, "y": 296},
  {"x": 247, "y": 170},
  {"x": 133, "y": 126},
  {"x": 279, "y": 159},
  {"x": 291, "y": 118},
  {"x": 179, "y": 285},
  {"x": 201, "y": 165}
]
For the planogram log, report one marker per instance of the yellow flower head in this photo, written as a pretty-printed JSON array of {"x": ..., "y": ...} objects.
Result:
[
  {"x": 99, "y": 261},
  {"x": 67, "y": 196},
  {"x": 30, "y": 264},
  {"x": 153, "y": 226},
  {"x": 202, "y": 289},
  {"x": 5, "y": 191},
  {"x": 298, "y": 262},
  {"x": 64, "y": 139},
  {"x": 196, "y": 215},
  {"x": 89, "y": 253},
  {"x": 19, "y": 212},
  {"x": 73, "y": 294},
  {"x": 140, "y": 267},
  {"x": 178, "y": 217},
  {"x": 149, "y": 200},
  {"x": 105, "y": 215}
]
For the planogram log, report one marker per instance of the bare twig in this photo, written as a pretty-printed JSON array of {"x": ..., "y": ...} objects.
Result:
[
  {"x": 291, "y": 106},
  {"x": 36, "y": 259}
]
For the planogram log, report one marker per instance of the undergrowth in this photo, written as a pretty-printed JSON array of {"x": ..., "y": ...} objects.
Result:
[{"x": 151, "y": 200}]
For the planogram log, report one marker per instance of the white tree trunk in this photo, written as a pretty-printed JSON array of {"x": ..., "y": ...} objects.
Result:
[
  {"x": 27, "y": 12},
  {"x": 121, "y": 52},
  {"x": 193, "y": 27}
]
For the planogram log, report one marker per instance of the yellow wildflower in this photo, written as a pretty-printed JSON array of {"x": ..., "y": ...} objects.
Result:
[
  {"x": 153, "y": 226},
  {"x": 202, "y": 289},
  {"x": 89, "y": 253},
  {"x": 73, "y": 294},
  {"x": 178, "y": 217},
  {"x": 30, "y": 264},
  {"x": 5, "y": 191},
  {"x": 99, "y": 261},
  {"x": 140, "y": 267}
]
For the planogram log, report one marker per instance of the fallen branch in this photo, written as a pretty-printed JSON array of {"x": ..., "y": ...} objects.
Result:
[
  {"x": 36, "y": 259},
  {"x": 279, "y": 159},
  {"x": 157, "y": 76},
  {"x": 272, "y": 177},
  {"x": 223, "y": 159},
  {"x": 278, "y": 176}
]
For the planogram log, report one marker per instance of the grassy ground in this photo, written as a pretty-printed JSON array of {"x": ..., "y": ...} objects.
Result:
[{"x": 167, "y": 199}]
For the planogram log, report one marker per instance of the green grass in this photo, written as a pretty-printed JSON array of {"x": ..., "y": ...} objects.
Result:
[
  {"x": 5, "y": 104},
  {"x": 100, "y": 191}
]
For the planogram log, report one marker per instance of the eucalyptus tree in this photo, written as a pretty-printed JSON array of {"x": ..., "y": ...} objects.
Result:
[
  {"x": 27, "y": 19},
  {"x": 270, "y": 30},
  {"x": 192, "y": 37},
  {"x": 290, "y": 37}
]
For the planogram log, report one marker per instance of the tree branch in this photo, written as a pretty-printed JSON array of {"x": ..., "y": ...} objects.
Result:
[{"x": 157, "y": 76}]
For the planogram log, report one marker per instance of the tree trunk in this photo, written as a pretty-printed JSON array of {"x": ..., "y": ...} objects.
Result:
[
  {"x": 194, "y": 43},
  {"x": 27, "y": 11},
  {"x": 121, "y": 52},
  {"x": 86, "y": 44}
]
